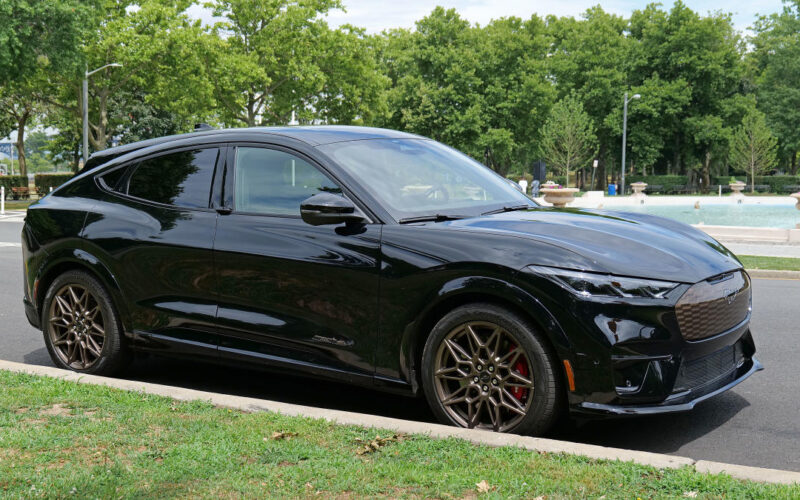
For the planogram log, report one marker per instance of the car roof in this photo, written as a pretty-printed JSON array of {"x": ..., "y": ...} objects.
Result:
[{"x": 313, "y": 135}]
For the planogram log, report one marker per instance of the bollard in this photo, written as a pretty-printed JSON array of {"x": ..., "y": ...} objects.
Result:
[{"x": 2, "y": 200}]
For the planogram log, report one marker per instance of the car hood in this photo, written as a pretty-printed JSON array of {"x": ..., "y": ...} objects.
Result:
[{"x": 621, "y": 243}]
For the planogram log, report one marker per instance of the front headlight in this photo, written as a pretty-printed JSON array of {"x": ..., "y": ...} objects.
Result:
[{"x": 587, "y": 285}]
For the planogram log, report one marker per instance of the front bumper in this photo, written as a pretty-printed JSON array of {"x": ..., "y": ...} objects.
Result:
[{"x": 676, "y": 403}]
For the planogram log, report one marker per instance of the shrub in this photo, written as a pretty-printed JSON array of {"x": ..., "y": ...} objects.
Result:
[
  {"x": 776, "y": 183},
  {"x": 45, "y": 181},
  {"x": 9, "y": 181},
  {"x": 668, "y": 183}
]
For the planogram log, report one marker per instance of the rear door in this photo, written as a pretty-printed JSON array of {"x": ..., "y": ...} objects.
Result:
[
  {"x": 292, "y": 294},
  {"x": 156, "y": 226}
]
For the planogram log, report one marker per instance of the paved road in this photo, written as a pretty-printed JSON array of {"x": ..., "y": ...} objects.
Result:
[{"x": 757, "y": 424}]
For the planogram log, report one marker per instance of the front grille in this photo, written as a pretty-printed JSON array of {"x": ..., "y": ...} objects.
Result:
[
  {"x": 714, "y": 306},
  {"x": 706, "y": 373}
]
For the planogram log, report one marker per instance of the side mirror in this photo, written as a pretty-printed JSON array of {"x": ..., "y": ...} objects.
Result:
[{"x": 329, "y": 208}]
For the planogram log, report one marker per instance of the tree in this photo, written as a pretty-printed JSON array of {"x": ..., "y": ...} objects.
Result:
[
  {"x": 270, "y": 59},
  {"x": 482, "y": 90},
  {"x": 18, "y": 104},
  {"x": 589, "y": 57},
  {"x": 704, "y": 55},
  {"x": 775, "y": 69},
  {"x": 36, "y": 32},
  {"x": 753, "y": 147},
  {"x": 568, "y": 138}
]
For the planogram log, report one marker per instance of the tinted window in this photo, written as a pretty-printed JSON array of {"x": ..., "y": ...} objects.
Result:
[
  {"x": 181, "y": 179},
  {"x": 112, "y": 178},
  {"x": 274, "y": 182}
]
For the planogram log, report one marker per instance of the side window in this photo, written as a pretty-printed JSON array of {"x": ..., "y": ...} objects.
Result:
[
  {"x": 112, "y": 178},
  {"x": 181, "y": 179},
  {"x": 273, "y": 182}
]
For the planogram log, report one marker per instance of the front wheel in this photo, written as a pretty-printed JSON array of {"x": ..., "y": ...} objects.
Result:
[
  {"x": 485, "y": 367},
  {"x": 81, "y": 326}
]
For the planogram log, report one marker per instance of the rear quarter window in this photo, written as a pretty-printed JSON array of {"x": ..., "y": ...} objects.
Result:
[{"x": 180, "y": 179}]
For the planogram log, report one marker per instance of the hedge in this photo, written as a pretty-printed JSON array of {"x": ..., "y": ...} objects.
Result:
[
  {"x": 9, "y": 181},
  {"x": 777, "y": 183},
  {"x": 668, "y": 183},
  {"x": 45, "y": 181}
]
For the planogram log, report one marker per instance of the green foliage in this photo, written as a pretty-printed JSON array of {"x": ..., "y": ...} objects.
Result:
[
  {"x": 778, "y": 184},
  {"x": 482, "y": 90},
  {"x": 668, "y": 183},
  {"x": 774, "y": 65},
  {"x": 9, "y": 181},
  {"x": 753, "y": 147},
  {"x": 44, "y": 182},
  {"x": 35, "y": 33},
  {"x": 271, "y": 58},
  {"x": 568, "y": 140}
]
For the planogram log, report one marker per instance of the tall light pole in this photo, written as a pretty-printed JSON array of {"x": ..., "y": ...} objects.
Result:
[
  {"x": 86, "y": 76},
  {"x": 625, "y": 136}
]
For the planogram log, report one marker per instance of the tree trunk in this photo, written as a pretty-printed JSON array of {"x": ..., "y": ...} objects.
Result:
[
  {"x": 793, "y": 165},
  {"x": 752, "y": 177},
  {"x": 676, "y": 160},
  {"x": 23, "y": 119},
  {"x": 601, "y": 169}
]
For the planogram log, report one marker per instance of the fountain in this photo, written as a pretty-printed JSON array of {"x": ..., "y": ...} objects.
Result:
[{"x": 558, "y": 196}]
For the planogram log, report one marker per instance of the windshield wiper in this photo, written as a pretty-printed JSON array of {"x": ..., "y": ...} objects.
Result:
[
  {"x": 501, "y": 210},
  {"x": 431, "y": 218}
]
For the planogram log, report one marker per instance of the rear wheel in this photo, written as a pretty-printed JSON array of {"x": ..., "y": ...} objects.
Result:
[
  {"x": 81, "y": 326},
  {"x": 486, "y": 367}
]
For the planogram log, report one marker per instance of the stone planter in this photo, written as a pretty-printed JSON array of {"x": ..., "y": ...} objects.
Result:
[
  {"x": 736, "y": 188},
  {"x": 638, "y": 188},
  {"x": 559, "y": 197},
  {"x": 796, "y": 196}
]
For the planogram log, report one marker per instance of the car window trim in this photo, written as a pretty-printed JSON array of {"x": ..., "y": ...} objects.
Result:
[
  {"x": 132, "y": 164},
  {"x": 230, "y": 184}
]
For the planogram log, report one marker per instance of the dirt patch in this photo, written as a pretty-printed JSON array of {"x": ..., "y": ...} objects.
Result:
[{"x": 57, "y": 410}]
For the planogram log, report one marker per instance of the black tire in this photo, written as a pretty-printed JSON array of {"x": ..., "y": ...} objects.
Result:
[
  {"x": 113, "y": 354},
  {"x": 545, "y": 405}
]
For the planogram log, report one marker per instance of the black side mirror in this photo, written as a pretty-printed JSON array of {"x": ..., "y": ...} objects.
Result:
[{"x": 329, "y": 208}]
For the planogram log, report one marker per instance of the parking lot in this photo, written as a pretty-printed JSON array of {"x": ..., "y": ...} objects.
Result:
[{"x": 757, "y": 423}]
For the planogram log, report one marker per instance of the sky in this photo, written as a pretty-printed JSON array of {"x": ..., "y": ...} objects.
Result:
[{"x": 377, "y": 15}]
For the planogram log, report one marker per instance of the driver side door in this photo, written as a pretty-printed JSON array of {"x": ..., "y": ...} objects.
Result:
[{"x": 291, "y": 294}]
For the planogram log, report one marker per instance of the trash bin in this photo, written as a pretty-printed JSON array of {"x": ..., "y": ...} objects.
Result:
[{"x": 612, "y": 189}]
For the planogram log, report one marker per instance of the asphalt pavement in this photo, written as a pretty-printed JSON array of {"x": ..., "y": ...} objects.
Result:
[{"x": 757, "y": 423}]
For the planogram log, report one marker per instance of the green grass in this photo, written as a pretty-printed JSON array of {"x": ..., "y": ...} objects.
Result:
[
  {"x": 61, "y": 439},
  {"x": 771, "y": 263},
  {"x": 18, "y": 204}
]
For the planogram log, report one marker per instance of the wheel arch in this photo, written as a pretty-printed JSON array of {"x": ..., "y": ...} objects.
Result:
[
  {"x": 78, "y": 260},
  {"x": 470, "y": 290}
]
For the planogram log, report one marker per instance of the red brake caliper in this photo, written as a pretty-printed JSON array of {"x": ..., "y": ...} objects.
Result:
[{"x": 522, "y": 369}]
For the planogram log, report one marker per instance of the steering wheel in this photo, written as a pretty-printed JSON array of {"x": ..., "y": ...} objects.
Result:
[{"x": 437, "y": 188}]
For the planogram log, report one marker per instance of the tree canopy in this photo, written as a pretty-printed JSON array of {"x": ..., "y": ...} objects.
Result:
[{"x": 506, "y": 92}]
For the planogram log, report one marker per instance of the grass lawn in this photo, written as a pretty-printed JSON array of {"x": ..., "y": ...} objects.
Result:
[
  {"x": 771, "y": 263},
  {"x": 18, "y": 204},
  {"x": 61, "y": 439}
]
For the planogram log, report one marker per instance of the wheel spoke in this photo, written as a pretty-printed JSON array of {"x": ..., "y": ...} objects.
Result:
[
  {"x": 474, "y": 416},
  {"x": 523, "y": 381},
  {"x": 473, "y": 339},
  {"x": 459, "y": 396},
  {"x": 93, "y": 347},
  {"x": 458, "y": 352},
  {"x": 63, "y": 306},
  {"x": 447, "y": 373}
]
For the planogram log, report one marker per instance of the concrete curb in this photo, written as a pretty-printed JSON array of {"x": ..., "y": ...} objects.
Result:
[
  {"x": 487, "y": 438},
  {"x": 769, "y": 274}
]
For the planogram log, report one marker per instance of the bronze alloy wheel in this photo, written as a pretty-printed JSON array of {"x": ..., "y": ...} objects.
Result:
[
  {"x": 483, "y": 377},
  {"x": 76, "y": 326}
]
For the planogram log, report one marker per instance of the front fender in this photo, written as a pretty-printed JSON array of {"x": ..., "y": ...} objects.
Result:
[{"x": 468, "y": 289}]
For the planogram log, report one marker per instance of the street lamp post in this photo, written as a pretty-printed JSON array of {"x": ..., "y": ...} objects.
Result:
[
  {"x": 86, "y": 76},
  {"x": 624, "y": 136}
]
